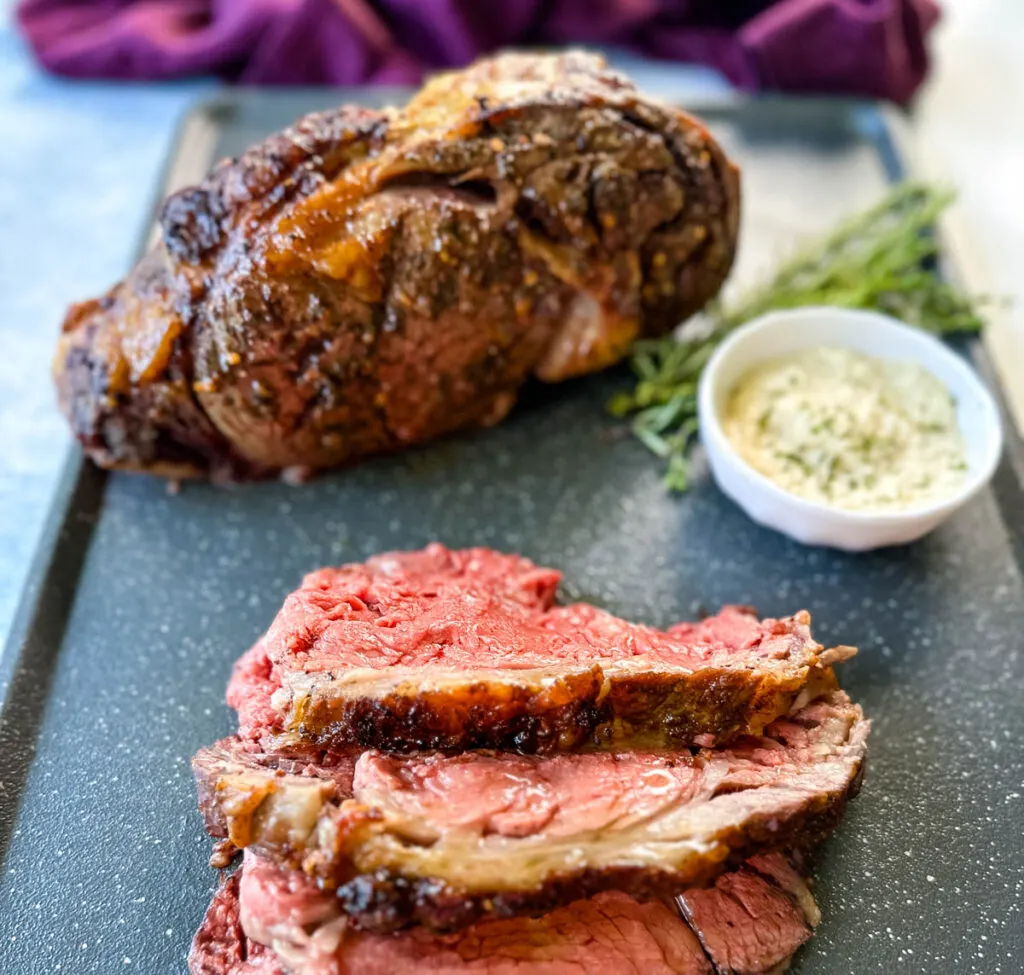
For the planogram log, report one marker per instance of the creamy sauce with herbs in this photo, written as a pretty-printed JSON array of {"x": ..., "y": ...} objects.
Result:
[{"x": 850, "y": 430}]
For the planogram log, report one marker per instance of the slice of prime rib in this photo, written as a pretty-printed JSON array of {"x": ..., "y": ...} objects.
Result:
[
  {"x": 441, "y": 841},
  {"x": 753, "y": 918},
  {"x": 452, "y": 650},
  {"x": 266, "y": 920}
]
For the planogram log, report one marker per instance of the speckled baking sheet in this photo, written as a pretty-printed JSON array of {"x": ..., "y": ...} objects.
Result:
[{"x": 141, "y": 600}]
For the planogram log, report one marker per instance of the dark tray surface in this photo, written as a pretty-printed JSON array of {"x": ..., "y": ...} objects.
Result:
[{"x": 105, "y": 869}]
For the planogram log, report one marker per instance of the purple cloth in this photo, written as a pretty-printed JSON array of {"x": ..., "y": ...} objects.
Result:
[{"x": 865, "y": 47}]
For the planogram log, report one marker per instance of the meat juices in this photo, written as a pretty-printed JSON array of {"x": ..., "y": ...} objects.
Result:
[{"x": 626, "y": 841}]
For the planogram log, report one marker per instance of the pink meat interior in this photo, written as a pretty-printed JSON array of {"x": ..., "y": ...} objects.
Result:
[
  {"x": 563, "y": 795},
  {"x": 479, "y": 608}
]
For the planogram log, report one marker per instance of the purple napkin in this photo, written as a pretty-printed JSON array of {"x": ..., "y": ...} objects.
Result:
[{"x": 865, "y": 47}]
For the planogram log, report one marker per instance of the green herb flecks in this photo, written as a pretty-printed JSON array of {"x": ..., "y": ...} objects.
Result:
[{"x": 883, "y": 259}]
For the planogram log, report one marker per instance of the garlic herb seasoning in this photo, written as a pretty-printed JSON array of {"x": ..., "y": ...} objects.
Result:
[{"x": 842, "y": 428}]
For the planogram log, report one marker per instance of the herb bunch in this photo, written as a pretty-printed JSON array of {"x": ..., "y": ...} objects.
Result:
[{"x": 884, "y": 259}]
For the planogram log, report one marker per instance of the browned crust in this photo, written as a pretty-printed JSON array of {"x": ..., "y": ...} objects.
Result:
[
  {"x": 560, "y": 716},
  {"x": 252, "y": 358},
  {"x": 121, "y": 414},
  {"x": 295, "y": 162},
  {"x": 671, "y": 710},
  {"x": 649, "y": 709}
]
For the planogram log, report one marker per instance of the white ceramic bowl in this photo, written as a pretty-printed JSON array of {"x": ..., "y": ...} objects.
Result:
[{"x": 784, "y": 332}]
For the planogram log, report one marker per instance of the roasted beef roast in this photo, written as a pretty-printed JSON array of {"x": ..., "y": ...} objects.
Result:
[
  {"x": 369, "y": 279},
  {"x": 450, "y": 650},
  {"x": 269, "y": 921},
  {"x": 440, "y": 841}
]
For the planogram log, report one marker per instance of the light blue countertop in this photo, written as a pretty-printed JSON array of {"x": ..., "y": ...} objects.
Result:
[{"x": 78, "y": 167}]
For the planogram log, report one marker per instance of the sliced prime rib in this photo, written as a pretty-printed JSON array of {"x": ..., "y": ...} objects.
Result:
[
  {"x": 748, "y": 925},
  {"x": 370, "y": 279},
  {"x": 220, "y": 946},
  {"x": 266, "y": 920},
  {"x": 440, "y": 841},
  {"x": 451, "y": 650}
]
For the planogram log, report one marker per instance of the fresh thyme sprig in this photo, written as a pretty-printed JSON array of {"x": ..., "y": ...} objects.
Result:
[{"x": 883, "y": 259}]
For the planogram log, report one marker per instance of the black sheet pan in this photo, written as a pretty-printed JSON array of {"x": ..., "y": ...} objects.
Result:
[{"x": 140, "y": 600}]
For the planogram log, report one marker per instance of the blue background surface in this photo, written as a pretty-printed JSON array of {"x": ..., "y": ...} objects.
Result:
[{"x": 77, "y": 165}]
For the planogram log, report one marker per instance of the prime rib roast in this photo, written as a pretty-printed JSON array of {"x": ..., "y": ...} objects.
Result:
[
  {"x": 441, "y": 841},
  {"x": 268, "y": 921},
  {"x": 451, "y": 650},
  {"x": 370, "y": 279},
  {"x": 486, "y": 836}
]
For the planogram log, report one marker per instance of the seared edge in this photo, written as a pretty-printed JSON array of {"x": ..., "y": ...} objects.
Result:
[
  {"x": 410, "y": 711},
  {"x": 612, "y": 703},
  {"x": 541, "y": 711}
]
